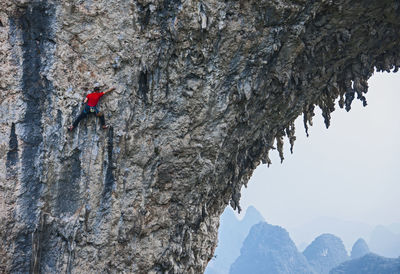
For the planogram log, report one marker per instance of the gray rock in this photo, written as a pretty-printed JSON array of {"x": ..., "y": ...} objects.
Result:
[{"x": 203, "y": 90}]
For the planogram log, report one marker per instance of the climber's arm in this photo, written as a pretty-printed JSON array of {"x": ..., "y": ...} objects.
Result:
[
  {"x": 108, "y": 90},
  {"x": 85, "y": 101}
]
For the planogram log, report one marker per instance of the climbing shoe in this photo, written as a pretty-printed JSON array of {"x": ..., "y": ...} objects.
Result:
[{"x": 70, "y": 128}]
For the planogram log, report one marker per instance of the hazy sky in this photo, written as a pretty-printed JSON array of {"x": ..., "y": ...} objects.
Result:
[{"x": 350, "y": 171}]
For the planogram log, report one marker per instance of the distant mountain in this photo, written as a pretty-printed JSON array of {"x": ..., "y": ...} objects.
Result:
[
  {"x": 384, "y": 242},
  {"x": 325, "y": 252},
  {"x": 369, "y": 264},
  {"x": 348, "y": 231},
  {"x": 231, "y": 235},
  {"x": 395, "y": 228},
  {"x": 360, "y": 248},
  {"x": 269, "y": 249}
]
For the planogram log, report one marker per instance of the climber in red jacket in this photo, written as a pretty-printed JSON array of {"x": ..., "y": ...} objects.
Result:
[{"x": 90, "y": 103}]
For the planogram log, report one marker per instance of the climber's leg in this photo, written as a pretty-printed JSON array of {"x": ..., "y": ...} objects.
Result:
[
  {"x": 78, "y": 119},
  {"x": 102, "y": 120}
]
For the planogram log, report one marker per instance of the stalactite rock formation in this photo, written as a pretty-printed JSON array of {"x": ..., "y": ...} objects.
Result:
[{"x": 203, "y": 91}]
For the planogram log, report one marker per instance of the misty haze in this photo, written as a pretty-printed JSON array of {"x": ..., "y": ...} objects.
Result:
[{"x": 342, "y": 181}]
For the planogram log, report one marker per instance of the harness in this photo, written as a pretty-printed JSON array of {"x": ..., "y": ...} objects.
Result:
[{"x": 89, "y": 109}]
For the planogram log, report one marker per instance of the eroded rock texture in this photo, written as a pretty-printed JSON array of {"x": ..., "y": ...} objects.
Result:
[{"x": 203, "y": 90}]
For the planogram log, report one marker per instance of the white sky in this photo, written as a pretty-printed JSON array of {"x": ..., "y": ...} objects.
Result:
[{"x": 350, "y": 171}]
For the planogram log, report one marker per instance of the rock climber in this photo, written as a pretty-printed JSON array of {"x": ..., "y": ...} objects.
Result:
[{"x": 90, "y": 103}]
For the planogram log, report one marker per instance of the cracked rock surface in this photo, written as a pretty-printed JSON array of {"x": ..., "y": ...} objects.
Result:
[{"x": 203, "y": 91}]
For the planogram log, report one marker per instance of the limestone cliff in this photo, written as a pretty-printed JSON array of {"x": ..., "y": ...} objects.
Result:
[{"x": 203, "y": 90}]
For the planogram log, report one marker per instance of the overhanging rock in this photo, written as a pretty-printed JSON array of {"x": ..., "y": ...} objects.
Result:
[{"x": 204, "y": 88}]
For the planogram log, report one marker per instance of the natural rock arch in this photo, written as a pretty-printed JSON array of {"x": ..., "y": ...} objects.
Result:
[{"x": 204, "y": 88}]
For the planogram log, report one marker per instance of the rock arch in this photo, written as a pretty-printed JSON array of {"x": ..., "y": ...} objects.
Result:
[{"x": 203, "y": 90}]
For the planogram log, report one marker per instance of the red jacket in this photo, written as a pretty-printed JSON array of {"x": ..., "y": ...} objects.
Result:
[{"x": 93, "y": 98}]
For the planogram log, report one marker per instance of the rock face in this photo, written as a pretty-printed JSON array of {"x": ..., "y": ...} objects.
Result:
[
  {"x": 359, "y": 249},
  {"x": 368, "y": 264},
  {"x": 231, "y": 235},
  {"x": 204, "y": 88},
  {"x": 269, "y": 249},
  {"x": 325, "y": 252}
]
